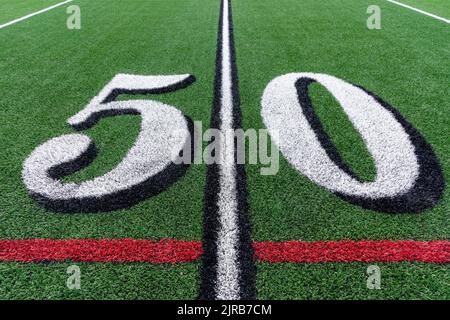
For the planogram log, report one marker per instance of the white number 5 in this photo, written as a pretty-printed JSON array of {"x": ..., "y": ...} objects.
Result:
[{"x": 146, "y": 170}]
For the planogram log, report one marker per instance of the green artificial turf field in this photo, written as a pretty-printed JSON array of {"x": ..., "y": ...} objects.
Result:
[{"x": 50, "y": 73}]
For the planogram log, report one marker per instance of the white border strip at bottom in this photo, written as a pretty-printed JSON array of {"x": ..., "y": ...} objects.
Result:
[
  {"x": 420, "y": 11},
  {"x": 34, "y": 14}
]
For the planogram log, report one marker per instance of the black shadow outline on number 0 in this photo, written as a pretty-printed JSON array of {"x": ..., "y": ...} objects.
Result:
[{"x": 429, "y": 185}]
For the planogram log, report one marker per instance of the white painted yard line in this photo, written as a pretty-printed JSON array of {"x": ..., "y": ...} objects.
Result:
[
  {"x": 420, "y": 11},
  {"x": 227, "y": 285},
  {"x": 34, "y": 14}
]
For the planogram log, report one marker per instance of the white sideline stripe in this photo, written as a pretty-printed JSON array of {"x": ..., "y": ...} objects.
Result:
[
  {"x": 227, "y": 285},
  {"x": 34, "y": 14},
  {"x": 420, "y": 11}
]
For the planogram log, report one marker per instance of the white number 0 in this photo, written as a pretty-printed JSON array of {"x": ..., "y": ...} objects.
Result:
[{"x": 408, "y": 175}]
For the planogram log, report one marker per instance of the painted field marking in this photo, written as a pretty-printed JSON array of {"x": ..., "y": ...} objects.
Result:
[
  {"x": 227, "y": 269},
  {"x": 227, "y": 286},
  {"x": 420, "y": 11},
  {"x": 180, "y": 251},
  {"x": 34, "y": 14}
]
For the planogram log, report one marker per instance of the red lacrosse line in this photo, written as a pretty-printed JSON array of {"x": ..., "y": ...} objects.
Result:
[{"x": 175, "y": 251}]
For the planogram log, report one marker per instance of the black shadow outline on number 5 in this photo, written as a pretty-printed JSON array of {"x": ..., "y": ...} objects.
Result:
[
  {"x": 429, "y": 185},
  {"x": 125, "y": 198}
]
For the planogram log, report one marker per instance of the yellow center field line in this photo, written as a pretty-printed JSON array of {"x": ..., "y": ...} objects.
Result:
[
  {"x": 34, "y": 14},
  {"x": 420, "y": 11}
]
